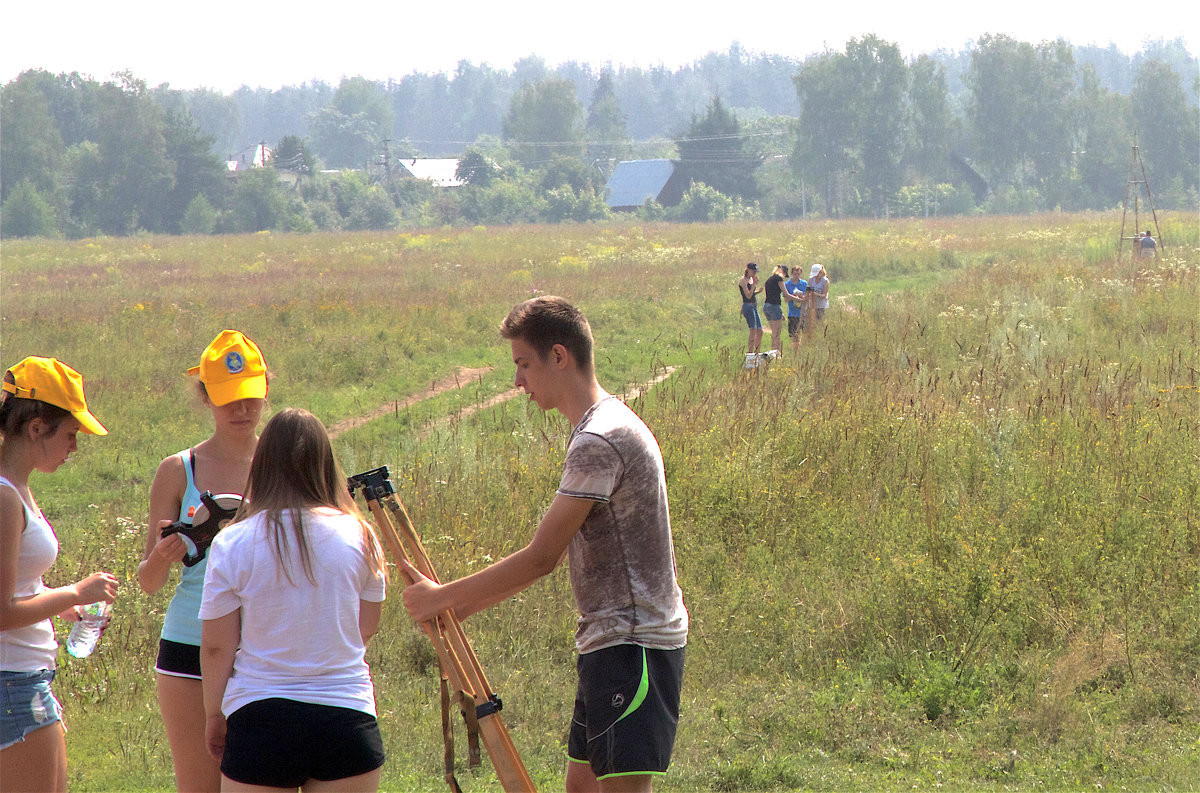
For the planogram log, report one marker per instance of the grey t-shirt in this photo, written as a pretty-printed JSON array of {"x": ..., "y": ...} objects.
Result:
[{"x": 623, "y": 558}]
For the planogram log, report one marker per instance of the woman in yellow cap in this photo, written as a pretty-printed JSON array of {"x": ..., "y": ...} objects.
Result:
[
  {"x": 42, "y": 411},
  {"x": 233, "y": 385}
]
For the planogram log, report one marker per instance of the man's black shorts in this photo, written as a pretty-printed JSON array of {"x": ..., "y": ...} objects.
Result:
[{"x": 626, "y": 710}]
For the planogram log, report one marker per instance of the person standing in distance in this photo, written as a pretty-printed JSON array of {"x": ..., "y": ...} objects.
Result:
[
  {"x": 818, "y": 290},
  {"x": 748, "y": 288},
  {"x": 1147, "y": 246},
  {"x": 42, "y": 411},
  {"x": 610, "y": 517},
  {"x": 796, "y": 289},
  {"x": 773, "y": 305},
  {"x": 233, "y": 385}
]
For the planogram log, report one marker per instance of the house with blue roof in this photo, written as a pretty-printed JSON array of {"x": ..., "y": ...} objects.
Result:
[{"x": 634, "y": 182}]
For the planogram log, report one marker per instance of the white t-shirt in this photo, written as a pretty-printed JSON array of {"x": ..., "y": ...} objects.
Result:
[
  {"x": 300, "y": 640},
  {"x": 623, "y": 557}
]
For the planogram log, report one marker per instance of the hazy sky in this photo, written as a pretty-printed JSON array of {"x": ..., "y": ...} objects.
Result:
[{"x": 222, "y": 45}]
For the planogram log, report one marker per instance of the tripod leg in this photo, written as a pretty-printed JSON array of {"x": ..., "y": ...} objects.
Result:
[{"x": 458, "y": 661}]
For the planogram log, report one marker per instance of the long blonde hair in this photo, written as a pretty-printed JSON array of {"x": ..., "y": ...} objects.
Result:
[{"x": 293, "y": 470}]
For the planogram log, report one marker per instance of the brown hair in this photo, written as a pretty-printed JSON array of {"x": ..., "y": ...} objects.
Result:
[
  {"x": 16, "y": 412},
  {"x": 542, "y": 322},
  {"x": 294, "y": 469}
]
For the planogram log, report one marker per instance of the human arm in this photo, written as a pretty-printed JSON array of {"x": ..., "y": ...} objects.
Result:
[
  {"x": 166, "y": 496},
  {"x": 476, "y": 592},
  {"x": 218, "y": 646},
  {"x": 369, "y": 614},
  {"x": 20, "y": 612}
]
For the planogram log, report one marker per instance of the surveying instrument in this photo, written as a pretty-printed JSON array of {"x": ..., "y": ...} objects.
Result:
[{"x": 462, "y": 677}]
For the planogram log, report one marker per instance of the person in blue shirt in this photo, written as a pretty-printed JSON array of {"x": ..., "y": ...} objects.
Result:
[
  {"x": 797, "y": 296},
  {"x": 1147, "y": 246}
]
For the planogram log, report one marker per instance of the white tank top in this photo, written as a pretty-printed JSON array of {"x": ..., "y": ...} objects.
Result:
[{"x": 33, "y": 647}]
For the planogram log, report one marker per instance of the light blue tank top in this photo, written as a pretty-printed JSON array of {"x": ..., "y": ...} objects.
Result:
[{"x": 182, "y": 623}]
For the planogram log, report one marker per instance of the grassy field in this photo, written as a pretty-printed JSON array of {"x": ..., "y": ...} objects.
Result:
[{"x": 953, "y": 543}]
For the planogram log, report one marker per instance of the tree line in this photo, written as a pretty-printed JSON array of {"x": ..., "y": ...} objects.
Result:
[{"x": 1004, "y": 126}]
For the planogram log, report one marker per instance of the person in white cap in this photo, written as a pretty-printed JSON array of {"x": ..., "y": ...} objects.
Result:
[
  {"x": 818, "y": 289},
  {"x": 41, "y": 412},
  {"x": 233, "y": 385}
]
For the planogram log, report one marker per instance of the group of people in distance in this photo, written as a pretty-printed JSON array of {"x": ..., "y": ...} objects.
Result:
[
  {"x": 1147, "y": 248},
  {"x": 261, "y": 673},
  {"x": 807, "y": 302}
]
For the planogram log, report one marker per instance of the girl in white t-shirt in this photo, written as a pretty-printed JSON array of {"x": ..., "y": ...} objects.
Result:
[
  {"x": 293, "y": 591},
  {"x": 41, "y": 412}
]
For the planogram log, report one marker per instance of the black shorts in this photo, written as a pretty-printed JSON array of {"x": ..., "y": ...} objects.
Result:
[
  {"x": 795, "y": 326},
  {"x": 284, "y": 743},
  {"x": 626, "y": 710},
  {"x": 178, "y": 660}
]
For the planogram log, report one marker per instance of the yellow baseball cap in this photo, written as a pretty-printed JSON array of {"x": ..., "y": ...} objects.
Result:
[
  {"x": 53, "y": 382},
  {"x": 232, "y": 368}
]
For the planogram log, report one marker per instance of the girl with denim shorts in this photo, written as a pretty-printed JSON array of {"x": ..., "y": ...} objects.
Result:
[
  {"x": 748, "y": 288},
  {"x": 42, "y": 411}
]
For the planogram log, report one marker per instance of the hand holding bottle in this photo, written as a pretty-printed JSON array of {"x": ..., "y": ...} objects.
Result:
[{"x": 99, "y": 589}]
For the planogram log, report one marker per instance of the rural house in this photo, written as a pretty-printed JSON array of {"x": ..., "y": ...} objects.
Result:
[
  {"x": 437, "y": 170},
  {"x": 633, "y": 182}
]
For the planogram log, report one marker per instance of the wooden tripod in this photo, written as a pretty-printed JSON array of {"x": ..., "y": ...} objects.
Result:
[
  {"x": 1136, "y": 186},
  {"x": 459, "y": 666}
]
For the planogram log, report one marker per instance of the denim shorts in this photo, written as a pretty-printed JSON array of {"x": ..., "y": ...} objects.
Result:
[
  {"x": 774, "y": 311},
  {"x": 27, "y": 704},
  {"x": 750, "y": 312}
]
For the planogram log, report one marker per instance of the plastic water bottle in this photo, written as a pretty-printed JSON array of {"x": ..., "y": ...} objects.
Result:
[{"x": 85, "y": 633}]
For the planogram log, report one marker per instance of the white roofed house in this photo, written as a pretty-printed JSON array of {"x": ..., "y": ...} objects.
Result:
[
  {"x": 260, "y": 156},
  {"x": 439, "y": 171}
]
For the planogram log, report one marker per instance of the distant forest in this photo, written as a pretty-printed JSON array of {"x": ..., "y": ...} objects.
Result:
[{"x": 1003, "y": 126}]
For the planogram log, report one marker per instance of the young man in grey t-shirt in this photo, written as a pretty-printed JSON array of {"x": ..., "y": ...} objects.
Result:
[{"x": 610, "y": 516}]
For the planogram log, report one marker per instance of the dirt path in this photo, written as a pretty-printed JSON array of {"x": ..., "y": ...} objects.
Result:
[
  {"x": 633, "y": 393},
  {"x": 457, "y": 380},
  {"x": 844, "y": 302}
]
